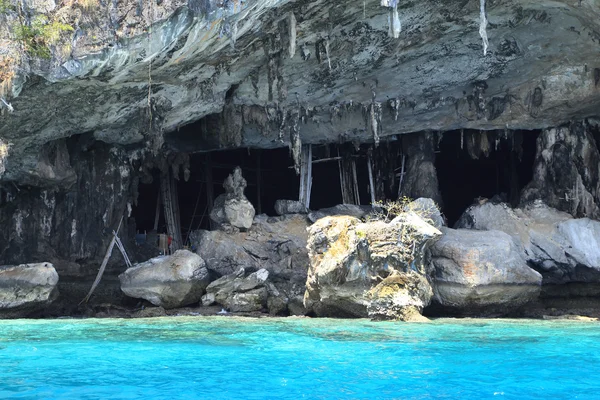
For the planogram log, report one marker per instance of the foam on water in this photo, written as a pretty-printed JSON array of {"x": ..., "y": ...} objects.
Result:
[{"x": 226, "y": 357}]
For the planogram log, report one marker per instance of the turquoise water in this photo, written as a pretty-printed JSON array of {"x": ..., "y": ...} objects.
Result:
[{"x": 234, "y": 358}]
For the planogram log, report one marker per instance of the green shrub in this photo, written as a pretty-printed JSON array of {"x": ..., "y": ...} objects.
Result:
[
  {"x": 40, "y": 35},
  {"x": 5, "y": 6}
]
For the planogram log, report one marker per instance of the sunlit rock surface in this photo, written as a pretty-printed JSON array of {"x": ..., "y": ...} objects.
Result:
[{"x": 26, "y": 288}]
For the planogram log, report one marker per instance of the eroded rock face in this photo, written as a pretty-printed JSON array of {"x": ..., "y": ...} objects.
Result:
[
  {"x": 239, "y": 293},
  {"x": 26, "y": 288},
  {"x": 232, "y": 207},
  {"x": 479, "y": 273},
  {"x": 349, "y": 259},
  {"x": 167, "y": 281},
  {"x": 564, "y": 250},
  {"x": 567, "y": 170},
  {"x": 284, "y": 207},
  {"x": 276, "y": 244},
  {"x": 341, "y": 209},
  {"x": 327, "y": 81}
]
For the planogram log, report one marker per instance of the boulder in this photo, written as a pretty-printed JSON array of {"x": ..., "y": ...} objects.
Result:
[
  {"x": 400, "y": 296},
  {"x": 167, "y": 281},
  {"x": 563, "y": 249},
  {"x": 341, "y": 209},
  {"x": 233, "y": 208},
  {"x": 26, "y": 288},
  {"x": 276, "y": 244},
  {"x": 351, "y": 262},
  {"x": 239, "y": 293},
  {"x": 284, "y": 207},
  {"x": 479, "y": 273},
  {"x": 428, "y": 210}
]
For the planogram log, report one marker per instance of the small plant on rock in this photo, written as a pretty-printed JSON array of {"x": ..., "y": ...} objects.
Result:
[{"x": 40, "y": 35}]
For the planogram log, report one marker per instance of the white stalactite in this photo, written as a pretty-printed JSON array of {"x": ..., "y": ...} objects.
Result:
[
  {"x": 483, "y": 26},
  {"x": 327, "y": 53},
  {"x": 292, "y": 34},
  {"x": 395, "y": 27}
]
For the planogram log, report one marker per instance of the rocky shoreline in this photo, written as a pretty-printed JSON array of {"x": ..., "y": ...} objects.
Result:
[{"x": 531, "y": 262}]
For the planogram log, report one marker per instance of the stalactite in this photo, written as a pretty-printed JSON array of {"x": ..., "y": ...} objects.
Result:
[
  {"x": 395, "y": 27},
  {"x": 483, "y": 26},
  {"x": 292, "y": 34},
  {"x": 375, "y": 119},
  {"x": 295, "y": 141},
  {"x": 327, "y": 53}
]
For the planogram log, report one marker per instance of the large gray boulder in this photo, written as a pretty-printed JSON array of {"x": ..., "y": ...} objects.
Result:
[
  {"x": 27, "y": 287},
  {"x": 239, "y": 293},
  {"x": 375, "y": 269},
  {"x": 563, "y": 249},
  {"x": 284, "y": 207},
  {"x": 167, "y": 281},
  {"x": 276, "y": 244},
  {"x": 479, "y": 273},
  {"x": 233, "y": 208}
]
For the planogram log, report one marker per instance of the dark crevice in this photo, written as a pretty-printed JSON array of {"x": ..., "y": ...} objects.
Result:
[{"x": 501, "y": 169}]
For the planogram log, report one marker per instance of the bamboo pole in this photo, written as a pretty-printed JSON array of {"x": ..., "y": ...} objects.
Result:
[
  {"x": 103, "y": 265},
  {"x": 371, "y": 184}
]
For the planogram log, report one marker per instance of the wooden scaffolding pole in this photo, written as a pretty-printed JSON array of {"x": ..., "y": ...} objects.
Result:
[
  {"x": 305, "y": 175},
  {"x": 209, "y": 186},
  {"x": 168, "y": 187},
  {"x": 258, "y": 184},
  {"x": 371, "y": 180}
]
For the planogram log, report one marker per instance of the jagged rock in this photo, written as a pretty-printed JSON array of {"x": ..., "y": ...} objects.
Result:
[
  {"x": 481, "y": 272},
  {"x": 208, "y": 299},
  {"x": 239, "y": 293},
  {"x": 276, "y": 244},
  {"x": 167, "y": 281},
  {"x": 428, "y": 210},
  {"x": 420, "y": 174},
  {"x": 284, "y": 207},
  {"x": 561, "y": 248},
  {"x": 341, "y": 209},
  {"x": 27, "y": 287},
  {"x": 400, "y": 297},
  {"x": 277, "y": 303},
  {"x": 232, "y": 207},
  {"x": 567, "y": 171},
  {"x": 349, "y": 258}
]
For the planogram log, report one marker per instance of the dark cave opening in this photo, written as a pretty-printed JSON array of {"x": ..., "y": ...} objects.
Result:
[
  {"x": 270, "y": 171},
  {"x": 468, "y": 168}
]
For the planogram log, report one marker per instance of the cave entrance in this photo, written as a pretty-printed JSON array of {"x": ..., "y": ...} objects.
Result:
[
  {"x": 473, "y": 164},
  {"x": 267, "y": 173},
  {"x": 270, "y": 176}
]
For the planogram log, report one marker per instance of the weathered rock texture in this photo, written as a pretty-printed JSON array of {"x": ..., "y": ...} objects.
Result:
[
  {"x": 374, "y": 269},
  {"x": 564, "y": 250},
  {"x": 479, "y": 273},
  {"x": 232, "y": 207},
  {"x": 167, "y": 281},
  {"x": 26, "y": 288},
  {"x": 261, "y": 71},
  {"x": 276, "y": 244},
  {"x": 567, "y": 170},
  {"x": 239, "y": 293}
]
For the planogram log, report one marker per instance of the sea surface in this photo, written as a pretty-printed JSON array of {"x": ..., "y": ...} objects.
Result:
[{"x": 295, "y": 358}]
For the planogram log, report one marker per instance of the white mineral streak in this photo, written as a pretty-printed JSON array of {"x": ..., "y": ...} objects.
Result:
[
  {"x": 327, "y": 53},
  {"x": 483, "y": 26},
  {"x": 74, "y": 228},
  {"x": 292, "y": 34},
  {"x": 393, "y": 18}
]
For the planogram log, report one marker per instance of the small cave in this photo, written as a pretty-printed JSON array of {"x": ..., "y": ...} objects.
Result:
[
  {"x": 474, "y": 164},
  {"x": 270, "y": 176}
]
